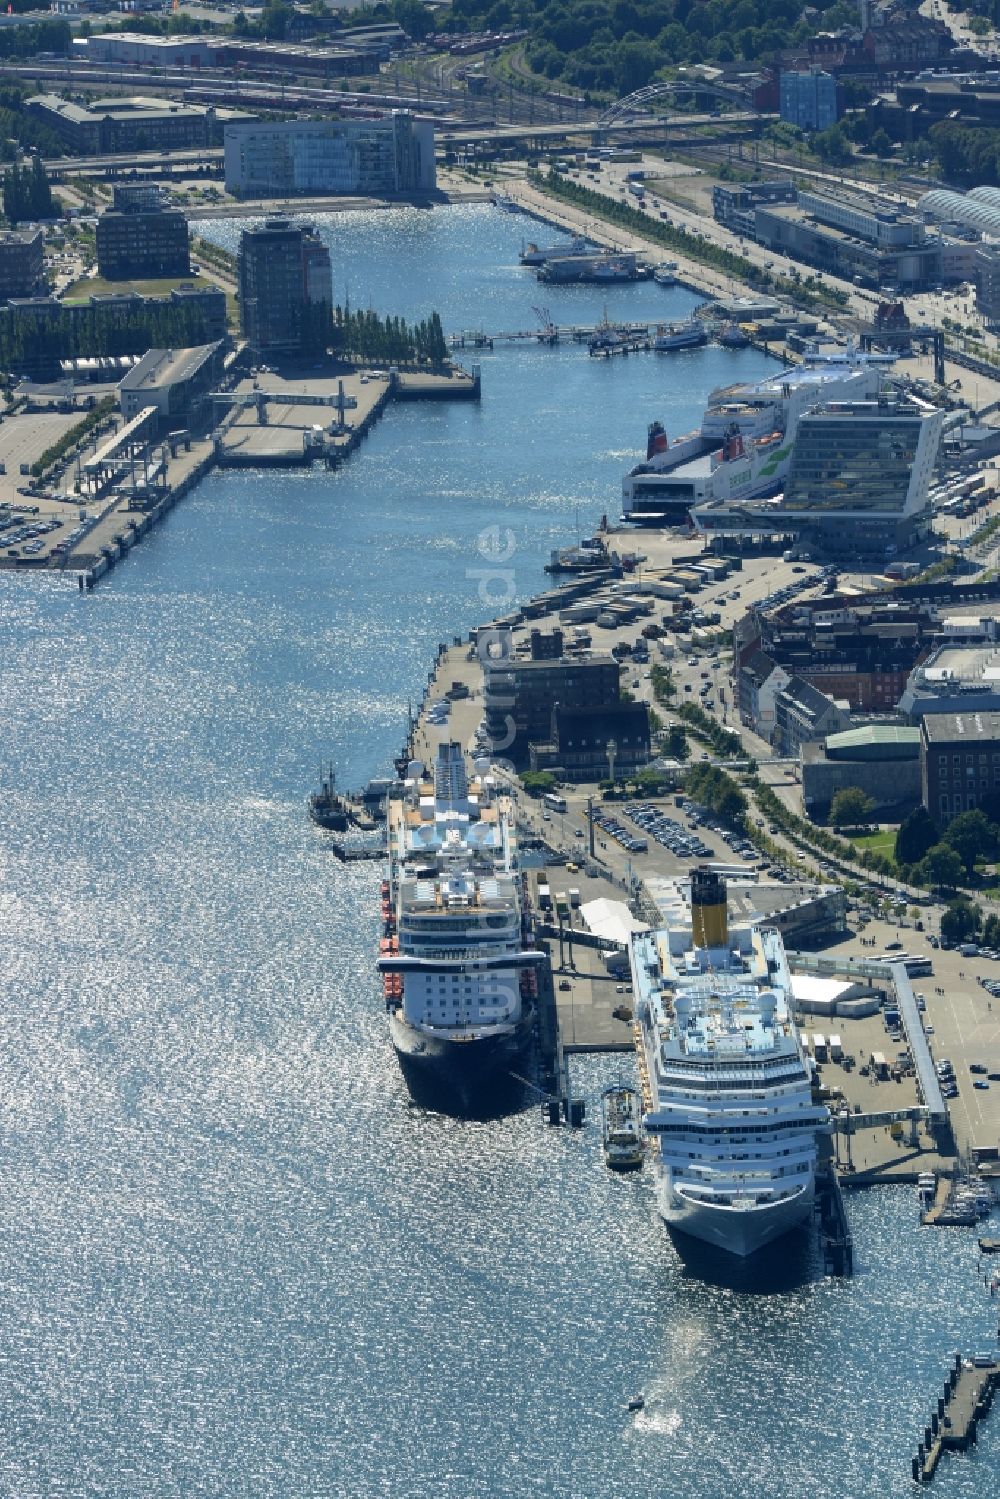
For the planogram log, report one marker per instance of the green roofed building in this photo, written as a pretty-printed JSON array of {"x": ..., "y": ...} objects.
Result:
[
  {"x": 875, "y": 741},
  {"x": 882, "y": 760}
]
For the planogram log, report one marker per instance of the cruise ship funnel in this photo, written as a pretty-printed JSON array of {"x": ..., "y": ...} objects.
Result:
[{"x": 709, "y": 915}]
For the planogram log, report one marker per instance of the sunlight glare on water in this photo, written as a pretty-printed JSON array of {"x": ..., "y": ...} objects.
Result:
[{"x": 236, "y": 1261}]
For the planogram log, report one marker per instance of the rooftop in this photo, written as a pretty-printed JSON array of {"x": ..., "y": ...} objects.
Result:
[
  {"x": 167, "y": 366},
  {"x": 875, "y": 742},
  {"x": 961, "y": 728}
]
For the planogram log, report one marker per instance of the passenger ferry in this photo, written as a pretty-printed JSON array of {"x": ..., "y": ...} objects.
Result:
[
  {"x": 670, "y": 336},
  {"x": 536, "y": 255},
  {"x": 743, "y": 447}
]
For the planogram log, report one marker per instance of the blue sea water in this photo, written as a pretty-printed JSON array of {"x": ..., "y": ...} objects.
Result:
[{"x": 235, "y": 1260}]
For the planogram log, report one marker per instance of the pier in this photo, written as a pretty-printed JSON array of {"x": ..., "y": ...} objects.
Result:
[
  {"x": 967, "y": 1396},
  {"x": 547, "y": 333},
  {"x": 272, "y": 422},
  {"x": 275, "y": 421}
]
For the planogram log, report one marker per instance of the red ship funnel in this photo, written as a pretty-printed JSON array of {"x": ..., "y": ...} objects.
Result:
[{"x": 656, "y": 441}]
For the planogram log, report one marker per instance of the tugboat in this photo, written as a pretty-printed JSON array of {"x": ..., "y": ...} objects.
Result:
[
  {"x": 622, "y": 1136},
  {"x": 326, "y": 808},
  {"x": 733, "y": 336}
]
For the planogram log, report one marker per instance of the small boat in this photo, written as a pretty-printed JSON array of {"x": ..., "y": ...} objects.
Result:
[
  {"x": 665, "y": 274},
  {"x": 326, "y": 808},
  {"x": 620, "y": 1119},
  {"x": 606, "y": 335},
  {"x": 732, "y": 336},
  {"x": 588, "y": 555},
  {"x": 637, "y": 1403}
]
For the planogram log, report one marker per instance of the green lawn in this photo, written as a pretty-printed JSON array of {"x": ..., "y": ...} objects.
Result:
[{"x": 883, "y": 842}]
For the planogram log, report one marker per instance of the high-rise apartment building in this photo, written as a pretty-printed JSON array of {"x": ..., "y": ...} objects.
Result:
[
  {"x": 141, "y": 237},
  {"x": 808, "y": 99},
  {"x": 284, "y": 277}
]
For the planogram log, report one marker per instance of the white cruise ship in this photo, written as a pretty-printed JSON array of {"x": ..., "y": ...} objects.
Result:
[
  {"x": 459, "y": 977},
  {"x": 727, "y": 1086},
  {"x": 743, "y": 447}
]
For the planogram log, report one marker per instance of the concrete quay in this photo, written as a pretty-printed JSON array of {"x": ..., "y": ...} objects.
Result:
[
  {"x": 336, "y": 413},
  {"x": 89, "y": 534}
]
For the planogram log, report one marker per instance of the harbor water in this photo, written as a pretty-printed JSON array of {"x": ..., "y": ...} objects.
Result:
[{"x": 236, "y": 1261}]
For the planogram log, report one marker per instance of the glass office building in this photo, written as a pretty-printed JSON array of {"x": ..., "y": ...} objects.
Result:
[
  {"x": 861, "y": 472},
  {"x": 319, "y": 158},
  {"x": 857, "y": 485}
]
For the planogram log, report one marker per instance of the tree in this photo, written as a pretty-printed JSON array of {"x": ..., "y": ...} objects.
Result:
[
  {"x": 850, "y": 807},
  {"x": 538, "y": 782},
  {"x": 880, "y": 143},
  {"x": 917, "y": 833},
  {"x": 971, "y": 835},
  {"x": 38, "y": 193},
  {"x": 676, "y": 746},
  {"x": 941, "y": 867},
  {"x": 650, "y": 781},
  {"x": 831, "y": 145},
  {"x": 991, "y": 930},
  {"x": 960, "y": 920}
]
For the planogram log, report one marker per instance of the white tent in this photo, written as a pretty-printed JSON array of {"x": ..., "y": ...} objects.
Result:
[{"x": 611, "y": 920}]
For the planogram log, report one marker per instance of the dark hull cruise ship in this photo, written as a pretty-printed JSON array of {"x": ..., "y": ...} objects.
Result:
[{"x": 459, "y": 977}]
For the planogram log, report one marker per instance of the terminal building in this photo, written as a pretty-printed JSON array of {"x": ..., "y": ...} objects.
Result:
[
  {"x": 857, "y": 485},
  {"x": 297, "y": 158},
  {"x": 285, "y": 282},
  {"x": 852, "y": 238},
  {"x": 176, "y": 382}
]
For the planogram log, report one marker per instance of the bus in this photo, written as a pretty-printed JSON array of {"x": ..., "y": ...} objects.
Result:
[
  {"x": 917, "y": 965},
  {"x": 553, "y": 802}
]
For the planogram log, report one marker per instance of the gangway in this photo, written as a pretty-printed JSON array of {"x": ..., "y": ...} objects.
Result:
[
  {"x": 844, "y": 1122},
  {"x": 338, "y": 400},
  {"x": 122, "y": 451}
]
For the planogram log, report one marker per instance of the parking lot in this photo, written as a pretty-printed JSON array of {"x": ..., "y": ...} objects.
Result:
[{"x": 961, "y": 1015}]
